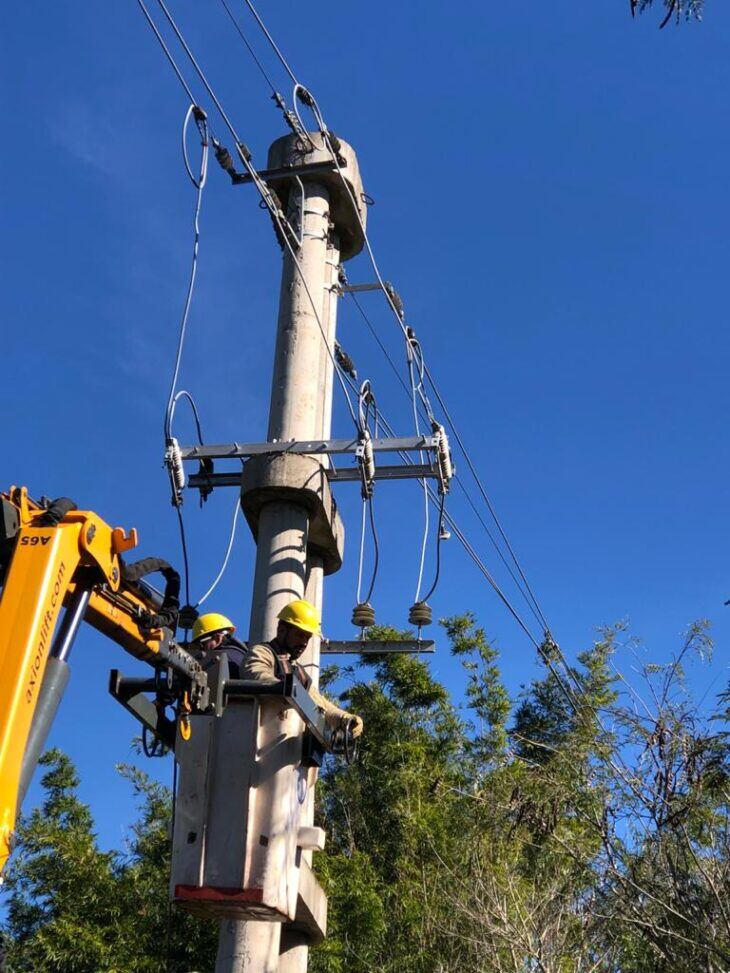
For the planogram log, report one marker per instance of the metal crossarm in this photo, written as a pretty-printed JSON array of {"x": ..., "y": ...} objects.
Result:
[
  {"x": 308, "y": 447},
  {"x": 207, "y": 481},
  {"x": 376, "y": 647}
]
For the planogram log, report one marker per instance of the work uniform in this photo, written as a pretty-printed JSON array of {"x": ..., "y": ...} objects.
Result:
[
  {"x": 234, "y": 650},
  {"x": 265, "y": 664}
]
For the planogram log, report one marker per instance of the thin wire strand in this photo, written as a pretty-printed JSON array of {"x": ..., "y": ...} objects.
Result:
[
  {"x": 200, "y": 185},
  {"x": 457, "y": 478},
  {"x": 463, "y": 540},
  {"x": 249, "y": 47},
  {"x": 325, "y": 135},
  {"x": 376, "y": 550},
  {"x": 225, "y": 559},
  {"x": 168, "y": 55},
  {"x": 264, "y": 192},
  {"x": 485, "y": 497},
  {"x": 271, "y": 41},
  {"x": 424, "y": 542},
  {"x": 184, "y": 546},
  {"x": 184, "y": 394},
  {"x": 438, "y": 547},
  {"x": 362, "y": 553}
]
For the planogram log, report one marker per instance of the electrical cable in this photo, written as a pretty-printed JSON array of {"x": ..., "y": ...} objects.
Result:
[
  {"x": 263, "y": 189},
  {"x": 530, "y": 603},
  {"x": 465, "y": 543},
  {"x": 485, "y": 497},
  {"x": 199, "y": 183},
  {"x": 367, "y": 404},
  {"x": 271, "y": 41},
  {"x": 250, "y": 49},
  {"x": 266, "y": 197},
  {"x": 361, "y": 557},
  {"x": 376, "y": 550},
  {"x": 184, "y": 394},
  {"x": 169, "y": 56},
  {"x": 185, "y": 555},
  {"x": 439, "y": 538},
  {"x": 398, "y": 314},
  {"x": 424, "y": 543},
  {"x": 325, "y": 134},
  {"x": 225, "y": 559}
]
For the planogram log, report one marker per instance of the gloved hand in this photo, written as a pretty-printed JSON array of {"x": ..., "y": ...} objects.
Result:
[{"x": 356, "y": 726}]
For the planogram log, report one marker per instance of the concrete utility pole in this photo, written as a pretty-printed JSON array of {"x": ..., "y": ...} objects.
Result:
[{"x": 298, "y": 533}]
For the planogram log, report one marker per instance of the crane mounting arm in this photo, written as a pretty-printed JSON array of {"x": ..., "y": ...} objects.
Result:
[{"x": 55, "y": 557}]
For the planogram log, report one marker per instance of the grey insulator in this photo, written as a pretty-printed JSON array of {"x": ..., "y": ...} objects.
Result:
[
  {"x": 420, "y": 614},
  {"x": 363, "y": 615}
]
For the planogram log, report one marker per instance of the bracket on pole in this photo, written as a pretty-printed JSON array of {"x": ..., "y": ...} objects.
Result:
[
  {"x": 311, "y": 447},
  {"x": 377, "y": 647},
  {"x": 206, "y": 480}
]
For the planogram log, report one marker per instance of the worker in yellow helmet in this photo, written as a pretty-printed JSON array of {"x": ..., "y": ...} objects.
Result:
[
  {"x": 269, "y": 661},
  {"x": 213, "y": 636}
]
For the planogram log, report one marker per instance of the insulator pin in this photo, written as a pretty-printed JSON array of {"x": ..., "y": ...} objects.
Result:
[
  {"x": 363, "y": 615},
  {"x": 420, "y": 614}
]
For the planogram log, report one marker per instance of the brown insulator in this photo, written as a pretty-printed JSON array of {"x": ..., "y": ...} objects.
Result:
[
  {"x": 420, "y": 614},
  {"x": 363, "y": 615}
]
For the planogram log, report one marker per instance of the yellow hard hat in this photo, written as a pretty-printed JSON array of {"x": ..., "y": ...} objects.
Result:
[
  {"x": 301, "y": 614},
  {"x": 210, "y": 624}
]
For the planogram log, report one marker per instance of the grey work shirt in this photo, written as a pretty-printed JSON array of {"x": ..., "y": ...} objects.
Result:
[{"x": 264, "y": 663}]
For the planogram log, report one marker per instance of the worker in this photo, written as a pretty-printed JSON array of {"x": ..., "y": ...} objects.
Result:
[
  {"x": 270, "y": 661},
  {"x": 212, "y": 637}
]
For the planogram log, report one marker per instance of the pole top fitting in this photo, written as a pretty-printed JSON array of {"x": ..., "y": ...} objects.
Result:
[{"x": 344, "y": 186}]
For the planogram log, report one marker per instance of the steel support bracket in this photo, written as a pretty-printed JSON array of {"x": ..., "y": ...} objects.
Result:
[
  {"x": 301, "y": 480},
  {"x": 130, "y": 693},
  {"x": 376, "y": 647}
]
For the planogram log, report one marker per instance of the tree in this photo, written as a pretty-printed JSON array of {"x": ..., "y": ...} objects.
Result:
[
  {"x": 75, "y": 909},
  {"x": 673, "y": 9},
  {"x": 582, "y": 830}
]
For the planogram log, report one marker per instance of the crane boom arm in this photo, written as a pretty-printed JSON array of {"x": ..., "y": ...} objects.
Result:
[{"x": 51, "y": 557}]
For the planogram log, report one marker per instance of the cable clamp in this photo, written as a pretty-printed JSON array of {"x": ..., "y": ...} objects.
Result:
[{"x": 174, "y": 464}]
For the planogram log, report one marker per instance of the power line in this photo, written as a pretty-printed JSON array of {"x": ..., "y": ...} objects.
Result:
[
  {"x": 199, "y": 183},
  {"x": 168, "y": 55},
  {"x": 226, "y": 558},
  {"x": 483, "y": 492},
  {"x": 250, "y": 49},
  {"x": 271, "y": 41},
  {"x": 261, "y": 186},
  {"x": 457, "y": 478}
]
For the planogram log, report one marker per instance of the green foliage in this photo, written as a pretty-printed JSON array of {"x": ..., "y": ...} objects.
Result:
[
  {"x": 676, "y": 10},
  {"x": 582, "y": 830},
  {"x": 75, "y": 909},
  {"x": 579, "y": 838}
]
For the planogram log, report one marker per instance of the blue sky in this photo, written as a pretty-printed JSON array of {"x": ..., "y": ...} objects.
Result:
[{"x": 551, "y": 204}]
